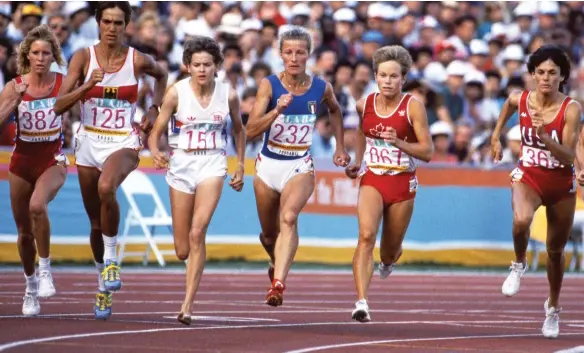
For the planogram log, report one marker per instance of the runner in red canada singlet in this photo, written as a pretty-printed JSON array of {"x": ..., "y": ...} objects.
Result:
[
  {"x": 37, "y": 166},
  {"x": 549, "y": 123},
  {"x": 393, "y": 134}
]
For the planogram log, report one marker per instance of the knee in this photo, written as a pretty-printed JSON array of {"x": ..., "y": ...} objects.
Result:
[
  {"x": 106, "y": 190},
  {"x": 522, "y": 220},
  {"x": 289, "y": 219},
  {"x": 555, "y": 254},
  {"x": 37, "y": 209},
  {"x": 367, "y": 238},
  {"x": 25, "y": 239},
  {"x": 197, "y": 237}
]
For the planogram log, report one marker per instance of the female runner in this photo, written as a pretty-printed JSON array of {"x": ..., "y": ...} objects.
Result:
[
  {"x": 392, "y": 134},
  {"x": 197, "y": 108},
  {"x": 285, "y": 110},
  {"x": 37, "y": 167},
  {"x": 104, "y": 79},
  {"x": 549, "y": 123}
]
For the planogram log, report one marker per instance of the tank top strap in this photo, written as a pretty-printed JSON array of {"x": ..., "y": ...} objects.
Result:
[{"x": 563, "y": 108}]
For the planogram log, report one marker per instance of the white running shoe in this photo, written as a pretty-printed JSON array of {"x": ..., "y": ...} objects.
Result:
[
  {"x": 551, "y": 325},
  {"x": 30, "y": 306},
  {"x": 385, "y": 270},
  {"x": 511, "y": 285},
  {"x": 46, "y": 286},
  {"x": 361, "y": 312}
]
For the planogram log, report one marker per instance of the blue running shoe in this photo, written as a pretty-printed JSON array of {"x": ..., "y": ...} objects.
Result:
[
  {"x": 103, "y": 305},
  {"x": 111, "y": 276}
]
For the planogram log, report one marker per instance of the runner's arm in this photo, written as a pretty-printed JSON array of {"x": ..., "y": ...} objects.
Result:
[
  {"x": 169, "y": 105},
  {"x": 68, "y": 96},
  {"x": 145, "y": 64},
  {"x": 361, "y": 141},
  {"x": 509, "y": 107},
  {"x": 565, "y": 152},
  {"x": 424, "y": 148},
  {"x": 259, "y": 121},
  {"x": 335, "y": 115},
  {"x": 238, "y": 128},
  {"x": 8, "y": 101}
]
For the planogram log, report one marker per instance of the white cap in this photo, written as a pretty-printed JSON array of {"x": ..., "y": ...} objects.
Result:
[
  {"x": 514, "y": 134},
  {"x": 479, "y": 47},
  {"x": 428, "y": 22},
  {"x": 193, "y": 28},
  {"x": 5, "y": 10},
  {"x": 345, "y": 14},
  {"x": 441, "y": 128},
  {"x": 73, "y": 6},
  {"x": 251, "y": 24},
  {"x": 300, "y": 9},
  {"x": 475, "y": 76},
  {"x": 377, "y": 9},
  {"x": 401, "y": 11},
  {"x": 549, "y": 8},
  {"x": 231, "y": 23},
  {"x": 525, "y": 9},
  {"x": 513, "y": 52},
  {"x": 435, "y": 72},
  {"x": 457, "y": 68}
]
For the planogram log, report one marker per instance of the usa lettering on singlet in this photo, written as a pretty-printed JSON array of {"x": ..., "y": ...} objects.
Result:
[
  {"x": 290, "y": 135},
  {"x": 534, "y": 152},
  {"x": 37, "y": 121},
  {"x": 382, "y": 157},
  {"x": 194, "y": 127},
  {"x": 108, "y": 109}
]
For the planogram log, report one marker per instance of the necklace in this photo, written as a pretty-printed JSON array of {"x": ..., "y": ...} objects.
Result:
[{"x": 301, "y": 83}]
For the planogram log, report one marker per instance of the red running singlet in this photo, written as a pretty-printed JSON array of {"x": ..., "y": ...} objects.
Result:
[
  {"x": 389, "y": 170},
  {"x": 38, "y": 135},
  {"x": 538, "y": 168}
]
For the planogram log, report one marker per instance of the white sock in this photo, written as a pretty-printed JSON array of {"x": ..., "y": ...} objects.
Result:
[
  {"x": 32, "y": 284},
  {"x": 110, "y": 244},
  {"x": 100, "y": 268},
  {"x": 44, "y": 264}
]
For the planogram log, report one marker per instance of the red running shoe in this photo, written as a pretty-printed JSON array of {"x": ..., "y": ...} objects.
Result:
[{"x": 275, "y": 295}]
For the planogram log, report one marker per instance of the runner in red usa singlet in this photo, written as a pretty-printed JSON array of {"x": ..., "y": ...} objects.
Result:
[
  {"x": 37, "y": 166},
  {"x": 549, "y": 124},
  {"x": 537, "y": 165},
  {"x": 392, "y": 136}
]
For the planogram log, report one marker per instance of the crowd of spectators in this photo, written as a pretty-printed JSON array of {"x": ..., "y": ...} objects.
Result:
[{"x": 467, "y": 55}]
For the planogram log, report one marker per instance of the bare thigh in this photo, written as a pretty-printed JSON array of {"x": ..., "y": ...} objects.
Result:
[
  {"x": 560, "y": 219},
  {"x": 182, "y": 205},
  {"x": 20, "y": 195},
  {"x": 48, "y": 184},
  {"x": 88, "y": 179},
  {"x": 369, "y": 212},
  {"x": 268, "y": 206},
  {"x": 117, "y": 167},
  {"x": 295, "y": 196},
  {"x": 396, "y": 220}
]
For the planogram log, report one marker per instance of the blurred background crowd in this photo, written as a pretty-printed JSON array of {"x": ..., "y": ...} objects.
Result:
[{"x": 467, "y": 55}]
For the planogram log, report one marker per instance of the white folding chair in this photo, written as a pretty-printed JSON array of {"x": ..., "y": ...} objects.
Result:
[{"x": 138, "y": 183}]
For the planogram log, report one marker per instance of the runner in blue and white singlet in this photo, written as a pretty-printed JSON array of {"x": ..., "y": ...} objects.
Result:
[{"x": 285, "y": 112}]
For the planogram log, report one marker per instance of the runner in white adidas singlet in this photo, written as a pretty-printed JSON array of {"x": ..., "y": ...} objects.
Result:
[
  {"x": 107, "y": 148},
  {"x": 195, "y": 113},
  {"x": 37, "y": 166},
  {"x": 285, "y": 111}
]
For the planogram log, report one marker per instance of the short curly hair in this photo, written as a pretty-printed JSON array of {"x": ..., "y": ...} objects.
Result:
[{"x": 198, "y": 44}]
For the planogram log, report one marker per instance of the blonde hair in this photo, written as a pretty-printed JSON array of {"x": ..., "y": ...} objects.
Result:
[
  {"x": 395, "y": 53},
  {"x": 295, "y": 33},
  {"x": 43, "y": 33}
]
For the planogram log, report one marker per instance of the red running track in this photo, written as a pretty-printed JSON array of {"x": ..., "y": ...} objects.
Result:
[{"x": 411, "y": 312}]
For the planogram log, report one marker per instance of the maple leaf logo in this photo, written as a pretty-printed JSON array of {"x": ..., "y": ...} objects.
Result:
[
  {"x": 524, "y": 114},
  {"x": 378, "y": 130},
  {"x": 402, "y": 112}
]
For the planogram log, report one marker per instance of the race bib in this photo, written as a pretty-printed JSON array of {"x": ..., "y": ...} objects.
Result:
[
  {"x": 204, "y": 136},
  {"x": 535, "y": 157},
  {"x": 291, "y": 135},
  {"x": 37, "y": 121},
  {"x": 384, "y": 158}
]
